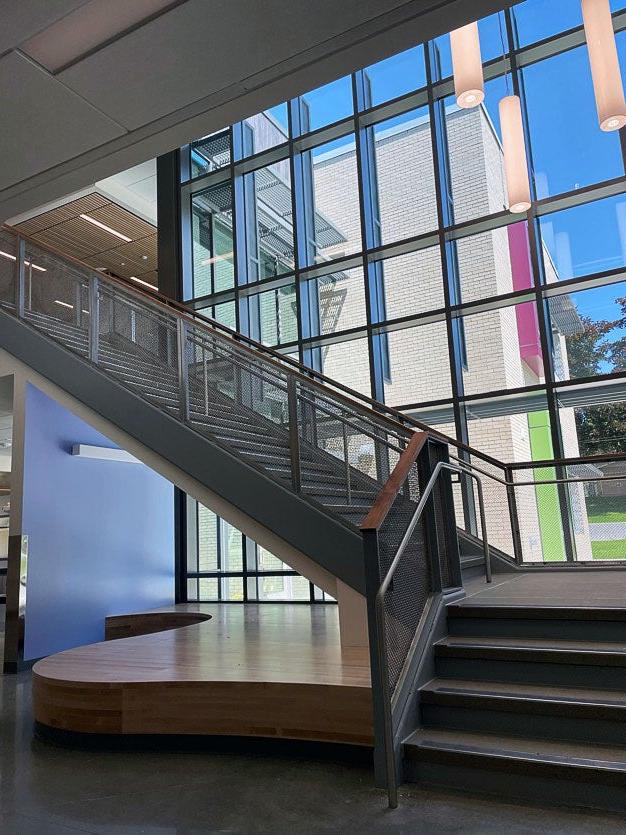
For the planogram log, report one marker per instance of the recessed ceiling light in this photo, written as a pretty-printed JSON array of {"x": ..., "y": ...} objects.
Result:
[{"x": 106, "y": 228}]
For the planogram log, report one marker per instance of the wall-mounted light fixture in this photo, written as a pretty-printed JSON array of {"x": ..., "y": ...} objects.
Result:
[
  {"x": 514, "y": 147},
  {"x": 467, "y": 65},
  {"x": 605, "y": 71}
]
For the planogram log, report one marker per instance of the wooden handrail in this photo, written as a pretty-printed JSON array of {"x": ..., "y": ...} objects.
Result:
[{"x": 387, "y": 496}]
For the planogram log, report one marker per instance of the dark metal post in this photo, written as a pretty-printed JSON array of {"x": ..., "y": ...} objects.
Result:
[
  {"x": 94, "y": 319},
  {"x": 183, "y": 369},
  {"x": 294, "y": 434},
  {"x": 513, "y": 516},
  {"x": 20, "y": 283},
  {"x": 425, "y": 470}
]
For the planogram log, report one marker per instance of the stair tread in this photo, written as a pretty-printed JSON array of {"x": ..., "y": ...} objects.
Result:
[
  {"x": 528, "y": 692},
  {"x": 556, "y": 752},
  {"x": 551, "y": 644},
  {"x": 467, "y": 608}
]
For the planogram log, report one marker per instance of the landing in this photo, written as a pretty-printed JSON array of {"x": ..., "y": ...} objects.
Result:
[{"x": 577, "y": 587}]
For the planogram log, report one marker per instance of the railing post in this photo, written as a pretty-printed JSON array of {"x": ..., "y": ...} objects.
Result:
[
  {"x": 518, "y": 552},
  {"x": 21, "y": 281},
  {"x": 425, "y": 470},
  {"x": 94, "y": 319},
  {"x": 384, "y": 755},
  {"x": 294, "y": 433},
  {"x": 183, "y": 368}
]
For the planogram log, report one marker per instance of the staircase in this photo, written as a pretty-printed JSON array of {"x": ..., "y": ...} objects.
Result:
[{"x": 527, "y": 702}]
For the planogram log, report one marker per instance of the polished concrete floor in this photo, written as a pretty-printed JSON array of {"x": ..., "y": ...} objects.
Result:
[{"x": 47, "y": 788}]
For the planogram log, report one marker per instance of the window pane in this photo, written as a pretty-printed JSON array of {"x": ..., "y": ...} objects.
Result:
[
  {"x": 268, "y": 221},
  {"x": 207, "y": 588},
  {"x": 223, "y": 313},
  {"x": 584, "y": 240},
  {"x": 336, "y": 302},
  {"x": 594, "y": 427},
  {"x": 560, "y": 102},
  {"x": 502, "y": 349},
  {"x": 539, "y": 19},
  {"x": 407, "y": 284},
  {"x": 403, "y": 178},
  {"x": 492, "y": 263},
  {"x": 268, "y": 562},
  {"x": 475, "y": 155},
  {"x": 331, "y": 200},
  {"x": 493, "y": 42},
  {"x": 231, "y": 548},
  {"x": 348, "y": 363},
  {"x": 207, "y": 540},
  {"x": 588, "y": 333},
  {"x": 232, "y": 589},
  {"x": 265, "y": 130},
  {"x": 210, "y": 153},
  {"x": 394, "y": 77},
  {"x": 418, "y": 367},
  {"x": 272, "y": 315},
  {"x": 212, "y": 231},
  {"x": 279, "y": 588},
  {"x": 326, "y": 105}
]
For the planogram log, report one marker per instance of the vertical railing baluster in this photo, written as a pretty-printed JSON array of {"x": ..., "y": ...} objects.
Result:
[
  {"x": 183, "y": 369},
  {"x": 294, "y": 434},
  {"x": 206, "y": 381},
  {"x": 94, "y": 318},
  {"x": 19, "y": 286},
  {"x": 518, "y": 551},
  {"x": 346, "y": 459}
]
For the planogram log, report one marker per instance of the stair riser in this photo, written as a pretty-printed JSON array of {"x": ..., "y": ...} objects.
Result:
[
  {"x": 562, "y": 723},
  {"x": 563, "y": 630},
  {"x": 533, "y": 672},
  {"x": 536, "y": 784}
]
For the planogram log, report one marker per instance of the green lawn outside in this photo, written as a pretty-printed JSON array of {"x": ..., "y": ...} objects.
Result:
[
  {"x": 612, "y": 549},
  {"x": 606, "y": 508}
]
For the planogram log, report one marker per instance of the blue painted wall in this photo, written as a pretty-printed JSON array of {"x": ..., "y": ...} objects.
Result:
[{"x": 101, "y": 533}]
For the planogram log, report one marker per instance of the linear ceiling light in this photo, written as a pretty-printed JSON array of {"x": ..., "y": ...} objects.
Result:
[
  {"x": 64, "y": 304},
  {"x": 106, "y": 228},
  {"x": 145, "y": 283},
  {"x": 605, "y": 71},
  {"x": 467, "y": 64},
  {"x": 27, "y": 263},
  {"x": 514, "y": 146}
]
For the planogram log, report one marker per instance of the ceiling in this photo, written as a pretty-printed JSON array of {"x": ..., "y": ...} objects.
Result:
[
  {"x": 110, "y": 225},
  {"x": 89, "y": 88}
]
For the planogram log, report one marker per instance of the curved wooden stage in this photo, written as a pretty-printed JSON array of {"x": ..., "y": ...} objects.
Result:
[{"x": 270, "y": 670}]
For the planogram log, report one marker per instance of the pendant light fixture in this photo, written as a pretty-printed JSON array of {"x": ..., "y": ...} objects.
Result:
[
  {"x": 605, "y": 71},
  {"x": 467, "y": 66},
  {"x": 514, "y": 148}
]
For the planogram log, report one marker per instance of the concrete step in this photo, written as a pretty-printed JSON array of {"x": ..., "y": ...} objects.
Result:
[
  {"x": 548, "y": 661},
  {"x": 584, "y": 715},
  {"x": 533, "y": 768}
]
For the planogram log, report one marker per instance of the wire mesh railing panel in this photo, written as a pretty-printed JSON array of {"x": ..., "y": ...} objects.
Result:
[
  {"x": 406, "y": 598},
  {"x": 596, "y": 498},
  {"x": 8, "y": 268}
]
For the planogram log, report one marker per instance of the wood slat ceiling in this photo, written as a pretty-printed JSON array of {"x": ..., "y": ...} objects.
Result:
[{"x": 63, "y": 229}]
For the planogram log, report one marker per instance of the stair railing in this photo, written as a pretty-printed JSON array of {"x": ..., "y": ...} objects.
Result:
[{"x": 413, "y": 571}]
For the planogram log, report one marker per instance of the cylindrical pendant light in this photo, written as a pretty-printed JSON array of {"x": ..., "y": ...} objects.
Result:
[
  {"x": 514, "y": 146},
  {"x": 467, "y": 66},
  {"x": 605, "y": 72}
]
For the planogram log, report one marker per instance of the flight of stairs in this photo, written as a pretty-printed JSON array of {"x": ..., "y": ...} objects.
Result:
[
  {"x": 256, "y": 439},
  {"x": 528, "y": 702}
]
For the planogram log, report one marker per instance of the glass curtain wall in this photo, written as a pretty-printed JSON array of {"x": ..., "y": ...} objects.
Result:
[{"x": 364, "y": 228}]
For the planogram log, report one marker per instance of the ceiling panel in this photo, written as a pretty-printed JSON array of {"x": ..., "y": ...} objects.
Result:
[
  {"x": 21, "y": 20},
  {"x": 63, "y": 229},
  {"x": 42, "y": 122},
  {"x": 199, "y": 48},
  {"x": 61, "y": 213},
  {"x": 86, "y": 28}
]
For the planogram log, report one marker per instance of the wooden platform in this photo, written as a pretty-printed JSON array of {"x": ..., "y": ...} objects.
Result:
[{"x": 253, "y": 670}]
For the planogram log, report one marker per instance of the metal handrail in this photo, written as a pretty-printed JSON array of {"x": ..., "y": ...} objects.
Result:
[
  {"x": 466, "y": 466},
  {"x": 381, "y": 646}
]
